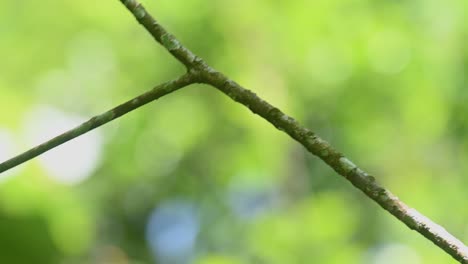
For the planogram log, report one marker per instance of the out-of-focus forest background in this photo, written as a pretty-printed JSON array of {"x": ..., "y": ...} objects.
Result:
[{"x": 196, "y": 178}]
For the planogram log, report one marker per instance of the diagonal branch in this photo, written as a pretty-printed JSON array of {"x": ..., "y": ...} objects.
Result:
[
  {"x": 342, "y": 165},
  {"x": 313, "y": 143},
  {"x": 99, "y": 120}
]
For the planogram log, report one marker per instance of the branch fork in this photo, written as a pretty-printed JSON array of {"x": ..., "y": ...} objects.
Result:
[{"x": 198, "y": 71}]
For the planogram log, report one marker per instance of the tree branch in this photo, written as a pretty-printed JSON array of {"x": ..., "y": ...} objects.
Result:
[
  {"x": 313, "y": 143},
  {"x": 199, "y": 71},
  {"x": 99, "y": 120}
]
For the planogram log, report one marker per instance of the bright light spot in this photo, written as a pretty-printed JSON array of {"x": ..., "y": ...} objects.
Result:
[
  {"x": 327, "y": 65},
  {"x": 389, "y": 52},
  {"x": 395, "y": 253},
  {"x": 7, "y": 151},
  {"x": 71, "y": 162},
  {"x": 172, "y": 230}
]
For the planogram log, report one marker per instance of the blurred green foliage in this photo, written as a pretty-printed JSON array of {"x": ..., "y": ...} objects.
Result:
[{"x": 195, "y": 178}]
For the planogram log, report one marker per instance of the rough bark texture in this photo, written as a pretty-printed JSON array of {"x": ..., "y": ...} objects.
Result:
[{"x": 199, "y": 71}]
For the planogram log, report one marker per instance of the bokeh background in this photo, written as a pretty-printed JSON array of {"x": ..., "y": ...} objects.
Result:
[{"x": 196, "y": 178}]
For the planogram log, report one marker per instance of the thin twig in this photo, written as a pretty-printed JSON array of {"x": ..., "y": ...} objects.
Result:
[
  {"x": 99, "y": 120},
  {"x": 313, "y": 143}
]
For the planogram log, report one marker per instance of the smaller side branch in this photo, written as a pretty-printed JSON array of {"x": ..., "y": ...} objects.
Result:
[{"x": 99, "y": 120}]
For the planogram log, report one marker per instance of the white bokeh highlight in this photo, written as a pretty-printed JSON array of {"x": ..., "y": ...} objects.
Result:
[{"x": 69, "y": 163}]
